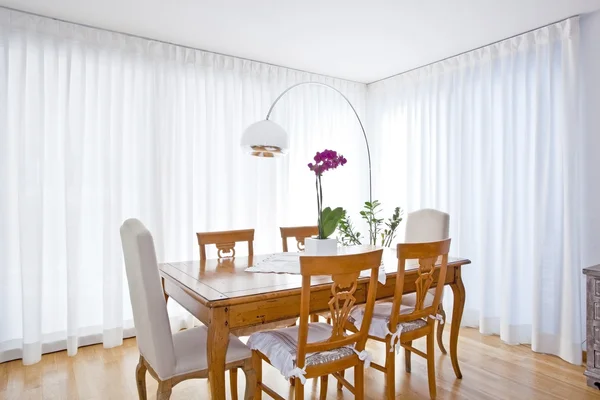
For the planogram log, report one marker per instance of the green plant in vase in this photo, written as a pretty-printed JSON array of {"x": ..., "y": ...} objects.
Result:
[{"x": 379, "y": 228}]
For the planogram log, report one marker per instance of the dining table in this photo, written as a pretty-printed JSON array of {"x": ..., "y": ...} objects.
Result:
[{"x": 227, "y": 298}]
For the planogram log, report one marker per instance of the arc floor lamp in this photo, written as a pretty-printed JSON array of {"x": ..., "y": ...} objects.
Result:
[{"x": 268, "y": 139}]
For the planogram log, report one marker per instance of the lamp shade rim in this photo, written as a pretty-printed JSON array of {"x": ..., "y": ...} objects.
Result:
[{"x": 265, "y": 139}]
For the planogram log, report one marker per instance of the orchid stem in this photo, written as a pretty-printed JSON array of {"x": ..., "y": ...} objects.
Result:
[{"x": 319, "y": 212}]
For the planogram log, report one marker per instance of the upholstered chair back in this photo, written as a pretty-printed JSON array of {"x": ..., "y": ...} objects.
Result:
[
  {"x": 154, "y": 337},
  {"x": 427, "y": 225}
]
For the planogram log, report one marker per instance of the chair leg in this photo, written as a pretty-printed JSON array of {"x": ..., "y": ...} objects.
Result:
[
  {"x": 257, "y": 366},
  {"x": 339, "y": 384},
  {"x": 390, "y": 371},
  {"x": 440, "y": 329},
  {"x": 323, "y": 393},
  {"x": 233, "y": 383},
  {"x": 164, "y": 291},
  {"x": 328, "y": 321},
  {"x": 140, "y": 379},
  {"x": 359, "y": 381},
  {"x": 164, "y": 390},
  {"x": 299, "y": 390},
  {"x": 431, "y": 364},
  {"x": 407, "y": 354},
  {"x": 250, "y": 374},
  {"x": 314, "y": 318}
]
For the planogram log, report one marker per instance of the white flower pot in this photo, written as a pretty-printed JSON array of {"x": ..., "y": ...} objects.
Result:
[{"x": 320, "y": 247}]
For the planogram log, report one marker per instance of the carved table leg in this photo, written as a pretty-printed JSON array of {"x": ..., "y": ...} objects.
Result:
[
  {"x": 458, "y": 289},
  {"x": 218, "y": 339}
]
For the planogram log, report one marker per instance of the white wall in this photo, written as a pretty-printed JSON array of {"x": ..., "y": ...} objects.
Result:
[
  {"x": 590, "y": 83},
  {"x": 590, "y": 79}
]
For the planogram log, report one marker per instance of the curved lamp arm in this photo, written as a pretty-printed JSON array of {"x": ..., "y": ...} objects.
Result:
[{"x": 353, "y": 109}]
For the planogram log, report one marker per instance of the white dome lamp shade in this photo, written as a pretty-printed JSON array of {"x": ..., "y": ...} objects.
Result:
[{"x": 265, "y": 139}]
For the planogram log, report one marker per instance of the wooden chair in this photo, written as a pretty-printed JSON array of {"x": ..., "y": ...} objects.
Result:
[
  {"x": 394, "y": 324},
  {"x": 427, "y": 225},
  {"x": 170, "y": 358},
  {"x": 313, "y": 350},
  {"x": 225, "y": 242},
  {"x": 299, "y": 233}
]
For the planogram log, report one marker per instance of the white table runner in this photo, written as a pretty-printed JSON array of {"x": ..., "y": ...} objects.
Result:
[{"x": 289, "y": 263}]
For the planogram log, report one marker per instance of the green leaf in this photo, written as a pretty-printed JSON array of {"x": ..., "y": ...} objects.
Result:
[
  {"x": 330, "y": 220},
  {"x": 325, "y": 213}
]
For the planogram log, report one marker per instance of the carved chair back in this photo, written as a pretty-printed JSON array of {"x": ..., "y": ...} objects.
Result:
[
  {"x": 344, "y": 271},
  {"x": 299, "y": 233},
  {"x": 427, "y": 256},
  {"x": 225, "y": 242}
]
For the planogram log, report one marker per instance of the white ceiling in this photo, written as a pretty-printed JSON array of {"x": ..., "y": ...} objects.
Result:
[{"x": 353, "y": 39}]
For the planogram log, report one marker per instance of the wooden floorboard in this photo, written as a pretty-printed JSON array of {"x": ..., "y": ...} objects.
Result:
[{"x": 491, "y": 370}]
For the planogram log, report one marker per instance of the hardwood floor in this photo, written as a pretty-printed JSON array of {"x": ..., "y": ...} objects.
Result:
[{"x": 491, "y": 369}]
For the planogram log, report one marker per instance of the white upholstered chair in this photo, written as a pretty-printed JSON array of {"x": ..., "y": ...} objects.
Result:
[
  {"x": 427, "y": 225},
  {"x": 170, "y": 358}
]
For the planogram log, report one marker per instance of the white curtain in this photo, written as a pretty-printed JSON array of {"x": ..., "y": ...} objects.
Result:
[
  {"x": 493, "y": 137},
  {"x": 96, "y": 127}
]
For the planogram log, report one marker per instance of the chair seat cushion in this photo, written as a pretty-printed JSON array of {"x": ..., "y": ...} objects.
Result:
[
  {"x": 190, "y": 350},
  {"x": 381, "y": 319},
  {"x": 247, "y": 331},
  {"x": 280, "y": 346},
  {"x": 410, "y": 299}
]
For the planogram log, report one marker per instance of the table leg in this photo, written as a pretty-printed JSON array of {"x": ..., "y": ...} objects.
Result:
[
  {"x": 218, "y": 339},
  {"x": 458, "y": 289}
]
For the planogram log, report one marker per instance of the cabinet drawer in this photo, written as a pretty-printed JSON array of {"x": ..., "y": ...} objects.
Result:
[
  {"x": 596, "y": 314},
  {"x": 595, "y": 334}
]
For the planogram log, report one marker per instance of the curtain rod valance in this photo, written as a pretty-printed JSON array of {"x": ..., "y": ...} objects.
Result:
[
  {"x": 564, "y": 30},
  {"x": 14, "y": 20}
]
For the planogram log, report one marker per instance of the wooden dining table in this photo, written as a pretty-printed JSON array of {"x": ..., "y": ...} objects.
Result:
[{"x": 226, "y": 298}]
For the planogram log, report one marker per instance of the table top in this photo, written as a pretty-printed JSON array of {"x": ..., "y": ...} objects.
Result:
[{"x": 214, "y": 280}]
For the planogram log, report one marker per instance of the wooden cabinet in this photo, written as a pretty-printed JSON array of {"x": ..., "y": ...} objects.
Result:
[{"x": 592, "y": 371}]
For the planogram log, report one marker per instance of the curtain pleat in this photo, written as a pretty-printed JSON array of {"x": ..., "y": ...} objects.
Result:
[
  {"x": 493, "y": 138},
  {"x": 97, "y": 127}
]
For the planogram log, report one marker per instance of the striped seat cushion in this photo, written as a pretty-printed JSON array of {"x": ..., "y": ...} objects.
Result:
[
  {"x": 280, "y": 346},
  {"x": 381, "y": 319}
]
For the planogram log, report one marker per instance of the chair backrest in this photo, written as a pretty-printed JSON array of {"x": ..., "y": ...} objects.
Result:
[
  {"x": 426, "y": 225},
  {"x": 426, "y": 254},
  {"x": 154, "y": 337},
  {"x": 344, "y": 271},
  {"x": 299, "y": 233},
  {"x": 225, "y": 242}
]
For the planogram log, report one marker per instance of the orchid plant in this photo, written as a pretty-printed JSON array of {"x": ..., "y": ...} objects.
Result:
[{"x": 327, "y": 219}]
